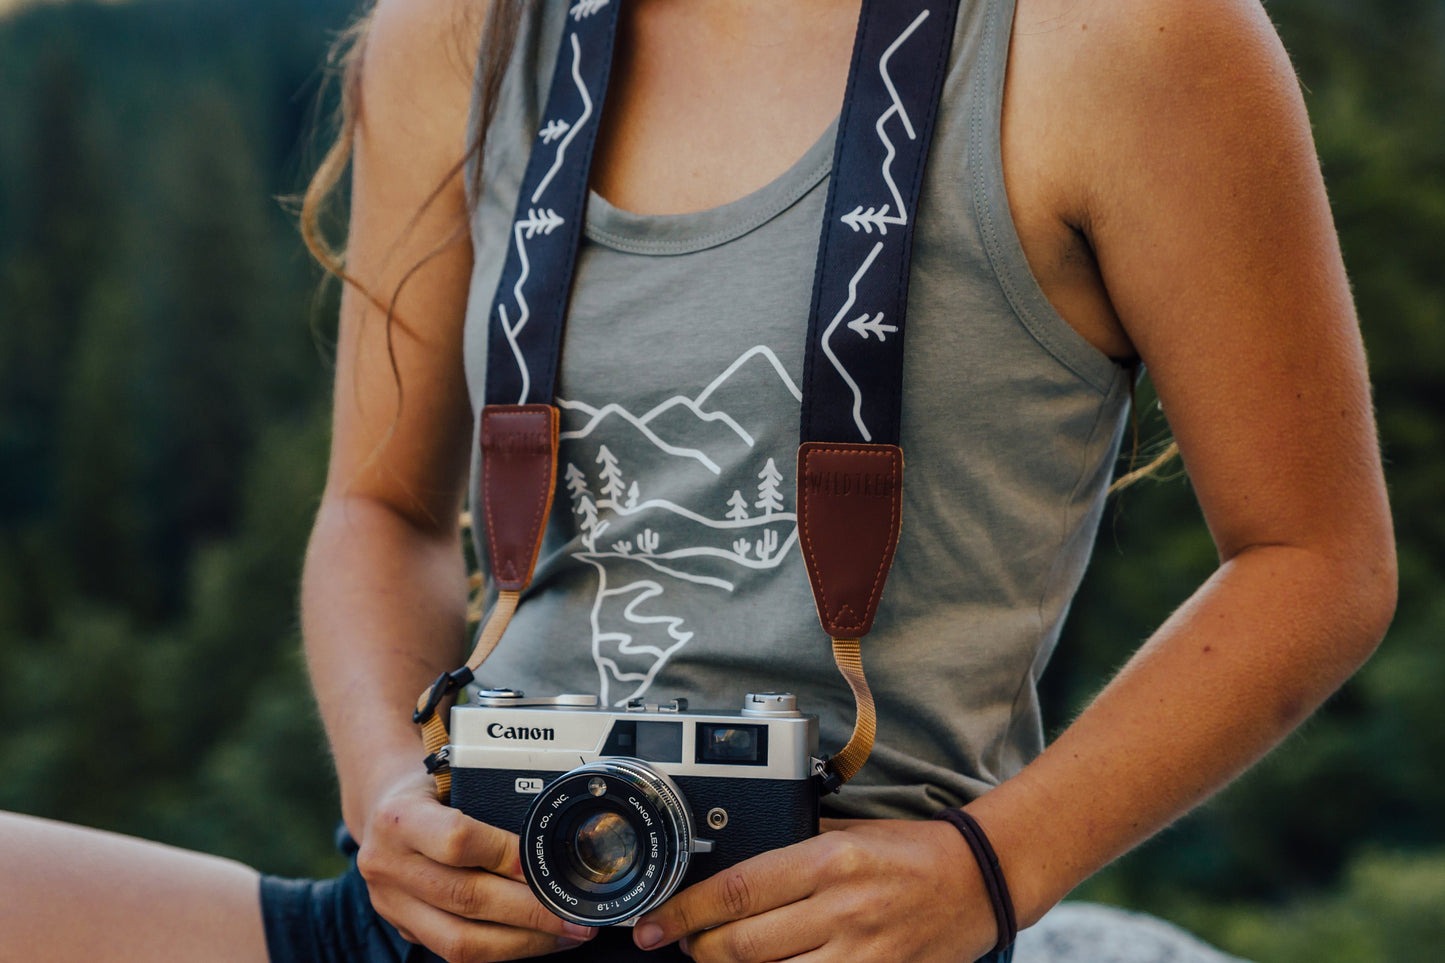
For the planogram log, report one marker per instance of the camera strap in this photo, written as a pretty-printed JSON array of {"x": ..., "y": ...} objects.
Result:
[{"x": 850, "y": 465}]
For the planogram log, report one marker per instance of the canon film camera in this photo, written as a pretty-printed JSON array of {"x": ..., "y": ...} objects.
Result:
[{"x": 617, "y": 809}]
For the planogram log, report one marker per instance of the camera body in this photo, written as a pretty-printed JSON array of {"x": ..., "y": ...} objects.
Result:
[{"x": 619, "y": 808}]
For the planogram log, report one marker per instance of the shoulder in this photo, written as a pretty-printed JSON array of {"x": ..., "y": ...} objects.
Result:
[
  {"x": 1132, "y": 88},
  {"x": 1141, "y": 49},
  {"x": 418, "y": 63}
]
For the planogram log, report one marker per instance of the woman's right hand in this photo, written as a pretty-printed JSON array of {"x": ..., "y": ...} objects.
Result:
[{"x": 452, "y": 883}]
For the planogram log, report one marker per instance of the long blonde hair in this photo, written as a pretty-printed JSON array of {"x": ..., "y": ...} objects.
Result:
[
  {"x": 345, "y": 61},
  {"x": 1157, "y": 454}
]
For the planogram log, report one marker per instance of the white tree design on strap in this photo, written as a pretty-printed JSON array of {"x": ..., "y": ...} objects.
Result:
[
  {"x": 875, "y": 217},
  {"x": 586, "y": 8}
]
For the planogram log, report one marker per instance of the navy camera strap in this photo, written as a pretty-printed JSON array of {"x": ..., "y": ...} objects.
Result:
[
  {"x": 524, "y": 340},
  {"x": 849, "y": 463},
  {"x": 853, "y": 372}
]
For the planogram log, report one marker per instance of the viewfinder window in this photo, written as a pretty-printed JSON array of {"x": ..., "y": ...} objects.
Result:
[{"x": 732, "y": 745}]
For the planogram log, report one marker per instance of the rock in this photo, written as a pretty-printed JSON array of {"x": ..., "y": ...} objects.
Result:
[{"x": 1091, "y": 933}]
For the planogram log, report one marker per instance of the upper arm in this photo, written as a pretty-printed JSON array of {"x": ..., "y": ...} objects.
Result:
[
  {"x": 1203, "y": 199},
  {"x": 402, "y": 420}
]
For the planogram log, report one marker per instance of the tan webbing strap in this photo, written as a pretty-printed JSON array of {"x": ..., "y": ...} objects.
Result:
[
  {"x": 497, "y": 622},
  {"x": 850, "y": 507},
  {"x": 849, "y": 656},
  {"x": 434, "y": 728},
  {"x": 434, "y": 737},
  {"x": 518, "y": 479}
]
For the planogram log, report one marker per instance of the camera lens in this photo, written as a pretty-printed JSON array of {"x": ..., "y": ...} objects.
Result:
[
  {"x": 605, "y": 847},
  {"x": 607, "y": 841}
]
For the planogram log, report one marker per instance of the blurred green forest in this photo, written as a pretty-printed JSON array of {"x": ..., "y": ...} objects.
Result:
[{"x": 163, "y": 393}]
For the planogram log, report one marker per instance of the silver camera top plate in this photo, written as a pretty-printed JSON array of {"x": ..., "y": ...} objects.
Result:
[{"x": 503, "y": 729}]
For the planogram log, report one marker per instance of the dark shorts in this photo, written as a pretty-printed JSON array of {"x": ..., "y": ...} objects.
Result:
[{"x": 331, "y": 921}]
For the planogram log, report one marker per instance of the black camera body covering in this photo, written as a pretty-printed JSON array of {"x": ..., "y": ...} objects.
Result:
[{"x": 617, "y": 809}]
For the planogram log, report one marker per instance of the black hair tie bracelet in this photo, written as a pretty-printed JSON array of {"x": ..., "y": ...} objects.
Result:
[{"x": 993, "y": 881}]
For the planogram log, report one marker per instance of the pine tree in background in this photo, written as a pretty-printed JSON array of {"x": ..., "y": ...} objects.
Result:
[{"x": 163, "y": 428}]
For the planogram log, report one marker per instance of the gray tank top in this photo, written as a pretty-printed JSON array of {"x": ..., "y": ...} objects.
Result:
[{"x": 671, "y": 567}]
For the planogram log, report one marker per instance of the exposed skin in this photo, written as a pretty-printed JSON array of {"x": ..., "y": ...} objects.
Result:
[
  {"x": 72, "y": 894},
  {"x": 1163, "y": 181}
]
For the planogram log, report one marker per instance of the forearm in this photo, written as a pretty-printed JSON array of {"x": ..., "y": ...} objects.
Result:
[
  {"x": 383, "y": 612},
  {"x": 1234, "y": 670}
]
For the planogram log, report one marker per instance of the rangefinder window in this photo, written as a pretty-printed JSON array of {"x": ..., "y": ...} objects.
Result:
[
  {"x": 652, "y": 741},
  {"x": 731, "y": 744}
]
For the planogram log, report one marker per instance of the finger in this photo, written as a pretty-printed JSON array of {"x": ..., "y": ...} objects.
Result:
[
  {"x": 467, "y": 941},
  {"x": 778, "y": 935},
  {"x": 751, "y": 887},
  {"x": 479, "y": 895},
  {"x": 835, "y": 825},
  {"x": 452, "y": 838}
]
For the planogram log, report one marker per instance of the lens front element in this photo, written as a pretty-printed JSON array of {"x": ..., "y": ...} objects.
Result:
[
  {"x": 607, "y": 841},
  {"x": 604, "y": 847}
]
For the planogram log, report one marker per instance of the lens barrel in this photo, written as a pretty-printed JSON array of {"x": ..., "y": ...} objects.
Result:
[{"x": 607, "y": 841}]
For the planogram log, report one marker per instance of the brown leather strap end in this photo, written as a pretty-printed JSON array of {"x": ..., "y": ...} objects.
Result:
[
  {"x": 850, "y": 506},
  {"x": 519, "y": 471}
]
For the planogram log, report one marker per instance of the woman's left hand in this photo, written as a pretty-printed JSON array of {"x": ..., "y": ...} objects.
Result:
[{"x": 862, "y": 891}]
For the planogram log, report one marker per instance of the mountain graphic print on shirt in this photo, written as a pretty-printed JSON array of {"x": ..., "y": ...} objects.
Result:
[{"x": 674, "y": 501}]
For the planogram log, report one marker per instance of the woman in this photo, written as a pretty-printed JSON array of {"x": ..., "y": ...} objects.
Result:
[{"x": 1108, "y": 184}]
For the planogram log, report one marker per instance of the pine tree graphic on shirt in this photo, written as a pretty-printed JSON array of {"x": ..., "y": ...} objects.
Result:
[{"x": 769, "y": 498}]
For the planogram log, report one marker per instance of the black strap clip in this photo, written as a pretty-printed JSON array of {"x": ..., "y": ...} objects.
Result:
[
  {"x": 438, "y": 761},
  {"x": 445, "y": 685},
  {"x": 828, "y": 781}
]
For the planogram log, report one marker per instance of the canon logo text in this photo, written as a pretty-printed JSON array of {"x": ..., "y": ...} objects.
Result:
[{"x": 528, "y": 733}]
